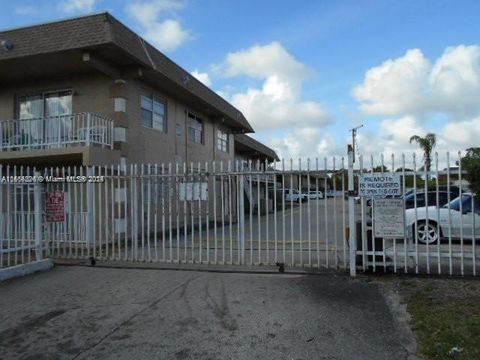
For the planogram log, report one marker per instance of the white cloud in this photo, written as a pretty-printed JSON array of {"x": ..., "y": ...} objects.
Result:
[
  {"x": 440, "y": 96},
  {"x": 412, "y": 84},
  {"x": 393, "y": 136},
  {"x": 278, "y": 102},
  {"x": 77, "y": 6},
  {"x": 26, "y": 10},
  {"x": 462, "y": 134},
  {"x": 306, "y": 142},
  {"x": 261, "y": 61},
  {"x": 455, "y": 81},
  {"x": 203, "y": 77},
  {"x": 397, "y": 132},
  {"x": 393, "y": 87},
  {"x": 166, "y": 34}
]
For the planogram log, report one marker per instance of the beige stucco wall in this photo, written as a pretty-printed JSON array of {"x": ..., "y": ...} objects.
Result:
[
  {"x": 153, "y": 146},
  {"x": 93, "y": 93}
]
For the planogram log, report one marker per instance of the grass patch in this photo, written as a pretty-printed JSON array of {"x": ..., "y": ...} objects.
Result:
[
  {"x": 439, "y": 326},
  {"x": 445, "y": 313}
]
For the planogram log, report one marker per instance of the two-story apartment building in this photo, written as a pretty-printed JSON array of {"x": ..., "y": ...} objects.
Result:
[{"x": 89, "y": 91}]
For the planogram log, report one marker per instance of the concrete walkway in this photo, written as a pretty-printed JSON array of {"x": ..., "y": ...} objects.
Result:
[{"x": 100, "y": 313}]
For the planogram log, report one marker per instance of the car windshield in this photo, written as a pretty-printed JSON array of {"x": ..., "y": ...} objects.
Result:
[{"x": 465, "y": 201}]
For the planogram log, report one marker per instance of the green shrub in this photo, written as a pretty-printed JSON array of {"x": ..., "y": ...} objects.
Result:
[{"x": 471, "y": 164}]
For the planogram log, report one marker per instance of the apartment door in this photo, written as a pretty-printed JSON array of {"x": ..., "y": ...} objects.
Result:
[
  {"x": 30, "y": 130},
  {"x": 58, "y": 108}
]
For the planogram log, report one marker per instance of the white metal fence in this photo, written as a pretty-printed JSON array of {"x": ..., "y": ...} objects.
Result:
[
  {"x": 56, "y": 132},
  {"x": 442, "y": 219},
  {"x": 20, "y": 220},
  {"x": 242, "y": 213}
]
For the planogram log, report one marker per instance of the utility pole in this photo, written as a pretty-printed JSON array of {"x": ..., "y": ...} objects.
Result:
[{"x": 354, "y": 135}]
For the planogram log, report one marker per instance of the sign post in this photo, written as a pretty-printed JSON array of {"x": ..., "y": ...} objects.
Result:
[{"x": 351, "y": 215}]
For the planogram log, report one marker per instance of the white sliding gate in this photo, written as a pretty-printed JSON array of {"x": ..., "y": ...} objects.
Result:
[
  {"x": 210, "y": 213},
  {"x": 294, "y": 214}
]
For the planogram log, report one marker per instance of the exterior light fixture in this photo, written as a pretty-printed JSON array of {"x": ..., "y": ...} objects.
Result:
[{"x": 7, "y": 45}]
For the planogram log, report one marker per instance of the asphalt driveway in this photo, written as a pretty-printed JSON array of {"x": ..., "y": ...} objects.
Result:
[{"x": 101, "y": 313}]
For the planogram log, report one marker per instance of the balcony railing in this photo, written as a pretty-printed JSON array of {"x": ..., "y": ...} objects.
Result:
[{"x": 56, "y": 132}]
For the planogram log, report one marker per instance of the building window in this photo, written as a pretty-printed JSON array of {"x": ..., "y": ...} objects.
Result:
[
  {"x": 54, "y": 106},
  {"x": 153, "y": 113},
  {"x": 178, "y": 130},
  {"x": 195, "y": 129},
  {"x": 222, "y": 141},
  {"x": 51, "y": 104}
]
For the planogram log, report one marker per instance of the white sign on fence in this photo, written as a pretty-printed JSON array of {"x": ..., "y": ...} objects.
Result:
[
  {"x": 380, "y": 185},
  {"x": 191, "y": 191},
  {"x": 389, "y": 218}
]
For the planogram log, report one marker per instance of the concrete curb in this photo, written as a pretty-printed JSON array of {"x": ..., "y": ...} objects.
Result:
[
  {"x": 403, "y": 320},
  {"x": 25, "y": 269}
]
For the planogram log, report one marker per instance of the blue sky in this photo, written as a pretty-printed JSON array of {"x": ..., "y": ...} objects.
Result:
[{"x": 304, "y": 72}]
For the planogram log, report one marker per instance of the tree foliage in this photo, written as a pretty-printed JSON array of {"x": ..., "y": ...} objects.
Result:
[
  {"x": 471, "y": 164},
  {"x": 427, "y": 144},
  {"x": 380, "y": 169}
]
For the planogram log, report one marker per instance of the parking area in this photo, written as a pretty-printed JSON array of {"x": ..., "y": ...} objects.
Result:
[{"x": 101, "y": 313}]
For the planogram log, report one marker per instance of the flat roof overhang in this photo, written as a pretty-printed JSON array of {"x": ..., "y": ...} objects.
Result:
[
  {"x": 58, "y": 64},
  {"x": 120, "y": 65},
  {"x": 253, "y": 149}
]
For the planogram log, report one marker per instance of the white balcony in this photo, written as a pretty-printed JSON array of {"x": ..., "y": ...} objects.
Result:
[{"x": 83, "y": 129}]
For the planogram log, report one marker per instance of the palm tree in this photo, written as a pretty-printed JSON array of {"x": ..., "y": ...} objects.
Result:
[{"x": 427, "y": 144}]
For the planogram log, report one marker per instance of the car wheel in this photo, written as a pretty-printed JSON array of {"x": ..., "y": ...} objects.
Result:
[{"x": 426, "y": 234}]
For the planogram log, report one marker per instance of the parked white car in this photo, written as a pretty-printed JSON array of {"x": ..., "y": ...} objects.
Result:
[
  {"x": 464, "y": 223},
  {"x": 293, "y": 195},
  {"x": 313, "y": 195}
]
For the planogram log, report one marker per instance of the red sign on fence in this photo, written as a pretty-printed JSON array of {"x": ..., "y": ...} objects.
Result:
[{"x": 55, "y": 206}]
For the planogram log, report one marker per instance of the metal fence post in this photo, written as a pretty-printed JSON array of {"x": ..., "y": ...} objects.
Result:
[
  {"x": 351, "y": 215},
  {"x": 241, "y": 217},
  {"x": 38, "y": 206},
  {"x": 89, "y": 126},
  {"x": 90, "y": 212},
  {"x": 135, "y": 214}
]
